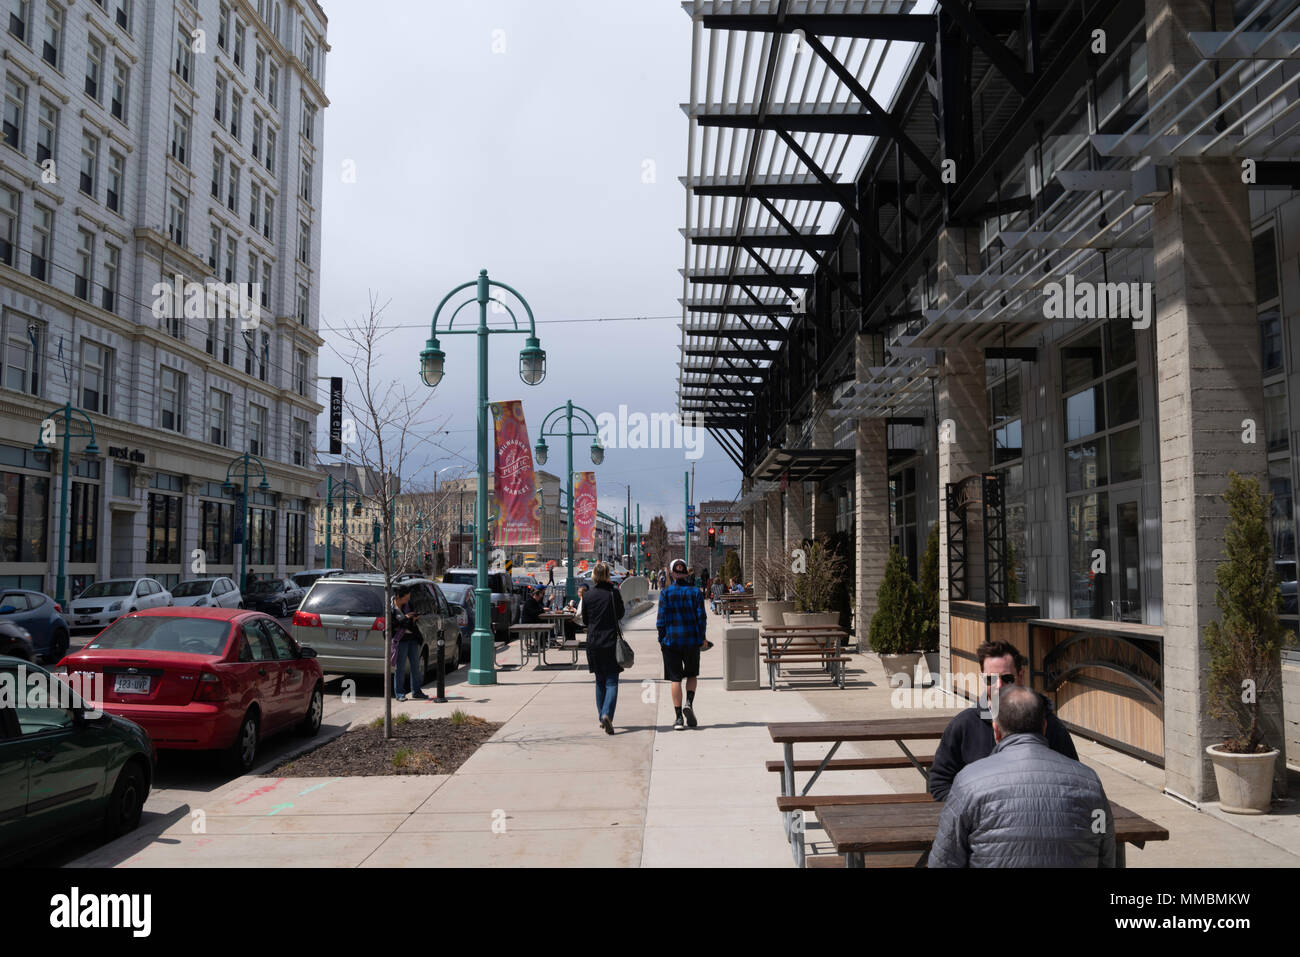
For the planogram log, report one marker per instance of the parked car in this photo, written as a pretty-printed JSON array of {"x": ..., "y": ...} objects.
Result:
[
  {"x": 506, "y": 602},
  {"x": 16, "y": 641},
  {"x": 343, "y": 618},
  {"x": 41, "y": 617},
  {"x": 65, "y": 772},
  {"x": 106, "y": 601},
  {"x": 207, "y": 593},
  {"x": 524, "y": 584},
  {"x": 206, "y": 679},
  {"x": 305, "y": 580},
  {"x": 278, "y": 597},
  {"x": 461, "y": 597}
]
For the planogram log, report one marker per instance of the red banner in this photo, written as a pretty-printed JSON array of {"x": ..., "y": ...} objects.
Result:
[
  {"x": 519, "y": 503},
  {"x": 584, "y": 511}
]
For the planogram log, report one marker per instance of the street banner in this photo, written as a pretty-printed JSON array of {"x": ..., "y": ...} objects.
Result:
[
  {"x": 584, "y": 511},
  {"x": 336, "y": 415},
  {"x": 519, "y": 503}
]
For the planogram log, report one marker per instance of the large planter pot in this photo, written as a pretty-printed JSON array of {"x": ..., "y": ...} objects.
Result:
[
  {"x": 932, "y": 665},
  {"x": 771, "y": 614},
  {"x": 904, "y": 665},
  {"x": 823, "y": 619},
  {"x": 1245, "y": 781}
]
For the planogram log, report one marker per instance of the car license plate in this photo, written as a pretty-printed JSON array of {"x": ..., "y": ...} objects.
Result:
[
  {"x": 85, "y": 621},
  {"x": 341, "y": 634},
  {"x": 131, "y": 684}
]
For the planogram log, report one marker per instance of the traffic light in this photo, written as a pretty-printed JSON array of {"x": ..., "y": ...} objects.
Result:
[{"x": 713, "y": 537}]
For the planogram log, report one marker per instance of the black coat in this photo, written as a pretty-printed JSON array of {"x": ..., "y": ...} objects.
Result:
[{"x": 601, "y": 611}]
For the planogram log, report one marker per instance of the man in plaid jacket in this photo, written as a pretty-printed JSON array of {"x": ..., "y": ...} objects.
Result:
[{"x": 682, "y": 623}]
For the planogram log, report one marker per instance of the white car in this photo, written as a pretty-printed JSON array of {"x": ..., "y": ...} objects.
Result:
[
  {"x": 106, "y": 601},
  {"x": 207, "y": 593}
]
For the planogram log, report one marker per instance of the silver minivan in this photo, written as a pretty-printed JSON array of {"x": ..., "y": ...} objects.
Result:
[{"x": 342, "y": 620}]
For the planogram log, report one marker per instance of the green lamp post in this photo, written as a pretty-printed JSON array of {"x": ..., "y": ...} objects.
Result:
[
  {"x": 330, "y": 487},
  {"x": 72, "y": 420},
  {"x": 550, "y": 426},
  {"x": 532, "y": 370},
  {"x": 247, "y": 458}
]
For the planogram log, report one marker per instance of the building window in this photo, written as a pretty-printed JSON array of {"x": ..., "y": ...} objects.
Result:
[
  {"x": 112, "y": 272},
  {"x": 266, "y": 284},
  {"x": 259, "y": 68},
  {"x": 257, "y": 430},
  {"x": 309, "y": 54},
  {"x": 305, "y": 192},
  {"x": 47, "y": 132},
  {"x": 42, "y": 242},
  {"x": 219, "y": 108},
  {"x": 184, "y": 64},
  {"x": 223, "y": 25},
  {"x": 116, "y": 177},
  {"x": 254, "y": 262},
  {"x": 299, "y": 442},
  {"x": 261, "y": 536},
  {"x": 177, "y": 207},
  {"x": 162, "y": 545},
  {"x": 23, "y": 354},
  {"x": 232, "y": 189},
  {"x": 218, "y": 172},
  {"x": 217, "y": 531},
  {"x": 236, "y": 112},
  {"x": 273, "y": 84},
  {"x": 94, "y": 68},
  {"x": 238, "y": 38},
  {"x": 295, "y": 532},
  {"x": 121, "y": 86},
  {"x": 214, "y": 252},
  {"x": 270, "y": 150},
  {"x": 304, "y": 242},
  {"x": 8, "y": 226},
  {"x": 308, "y": 121},
  {"x": 902, "y": 516},
  {"x": 52, "y": 47},
  {"x": 84, "y": 519},
  {"x": 171, "y": 400},
  {"x": 232, "y": 250},
  {"x": 18, "y": 14},
  {"x": 85, "y": 274},
  {"x": 300, "y": 371},
  {"x": 15, "y": 108},
  {"x": 24, "y": 525},
  {"x": 302, "y": 304},
  {"x": 268, "y": 210},
  {"x": 89, "y": 164},
  {"x": 255, "y": 202},
  {"x": 181, "y": 136},
  {"x": 123, "y": 15},
  {"x": 219, "y": 418},
  {"x": 257, "y": 135}
]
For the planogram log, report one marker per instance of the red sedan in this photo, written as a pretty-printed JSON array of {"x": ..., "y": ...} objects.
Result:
[{"x": 218, "y": 679}]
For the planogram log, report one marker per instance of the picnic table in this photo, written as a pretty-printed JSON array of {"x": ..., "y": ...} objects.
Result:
[
  {"x": 793, "y": 803},
  {"x": 735, "y": 601},
  {"x": 539, "y": 637},
  {"x": 805, "y": 644},
  {"x": 894, "y": 828}
]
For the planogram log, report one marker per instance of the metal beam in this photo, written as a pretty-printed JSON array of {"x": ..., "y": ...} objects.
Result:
[
  {"x": 1007, "y": 63},
  {"x": 900, "y": 27}
]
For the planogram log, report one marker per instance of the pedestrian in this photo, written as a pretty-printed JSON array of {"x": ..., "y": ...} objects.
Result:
[
  {"x": 682, "y": 624},
  {"x": 602, "y": 607},
  {"x": 406, "y": 645},
  {"x": 1025, "y": 805},
  {"x": 550, "y": 575}
]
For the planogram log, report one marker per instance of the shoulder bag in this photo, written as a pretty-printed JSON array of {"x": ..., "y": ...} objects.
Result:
[{"x": 623, "y": 652}]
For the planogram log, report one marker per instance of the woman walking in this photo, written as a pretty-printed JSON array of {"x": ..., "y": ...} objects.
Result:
[{"x": 601, "y": 610}]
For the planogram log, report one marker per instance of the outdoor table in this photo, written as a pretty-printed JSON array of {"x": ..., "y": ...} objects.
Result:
[
  {"x": 734, "y": 601},
  {"x": 828, "y": 642},
  {"x": 532, "y": 639},
  {"x": 858, "y": 830},
  {"x": 557, "y": 620}
]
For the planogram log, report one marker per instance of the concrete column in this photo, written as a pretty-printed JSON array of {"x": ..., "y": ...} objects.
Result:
[
  {"x": 775, "y": 537},
  {"x": 962, "y": 402},
  {"x": 758, "y": 550},
  {"x": 1208, "y": 362},
  {"x": 822, "y": 511},
  {"x": 871, "y": 505},
  {"x": 798, "y": 516}
]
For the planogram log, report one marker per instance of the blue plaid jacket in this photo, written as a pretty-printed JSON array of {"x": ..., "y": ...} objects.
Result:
[{"x": 682, "y": 619}]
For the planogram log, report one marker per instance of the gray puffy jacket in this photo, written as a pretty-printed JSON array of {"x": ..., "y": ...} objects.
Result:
[{"x": 1025, "y": 806}]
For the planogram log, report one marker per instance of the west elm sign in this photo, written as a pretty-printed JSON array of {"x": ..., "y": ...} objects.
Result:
[{"x": 125, "y": 454}]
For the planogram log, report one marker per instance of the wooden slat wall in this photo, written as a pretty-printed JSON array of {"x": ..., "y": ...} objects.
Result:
[{"x": 965, "y": 635}]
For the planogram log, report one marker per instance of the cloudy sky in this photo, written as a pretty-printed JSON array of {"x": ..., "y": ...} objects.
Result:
[{"x": 541, "y": 140}]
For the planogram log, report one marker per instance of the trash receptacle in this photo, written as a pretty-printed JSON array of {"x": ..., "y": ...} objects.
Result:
[{"x": 740, "y": 658}]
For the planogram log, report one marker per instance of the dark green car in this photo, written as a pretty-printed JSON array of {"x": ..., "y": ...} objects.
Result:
[{"x": 64, "y": 770}]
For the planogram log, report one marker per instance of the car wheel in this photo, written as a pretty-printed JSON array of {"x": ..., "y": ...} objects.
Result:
[
  {"x": 315, "y": 712},
  {"x": 242, "y": 752},
  {"x": 127, "y": 802}
]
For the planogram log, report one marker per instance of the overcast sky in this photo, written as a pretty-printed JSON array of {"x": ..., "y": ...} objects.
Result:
[{"x": 516, "y": 136}]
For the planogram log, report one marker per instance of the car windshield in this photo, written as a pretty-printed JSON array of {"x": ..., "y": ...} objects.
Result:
[
  {"x": 191, "y": 636},
  {"x": 108, "y": 589},
  {"x": 266, "y": 587},
  {"x": 192, "y": 589},
  {"x": 344, "y": 598},
  {"x": 454, "y": 593},
  {"x": 460, "y": 578}
]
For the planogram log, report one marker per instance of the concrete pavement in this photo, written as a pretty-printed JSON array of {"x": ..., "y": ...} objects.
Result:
[{"x": 551, "y": 789}]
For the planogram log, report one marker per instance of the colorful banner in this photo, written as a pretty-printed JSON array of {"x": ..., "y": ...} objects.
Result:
[
  {"x": 584, "y": 511},
  {"x": 519, "y": 503}
]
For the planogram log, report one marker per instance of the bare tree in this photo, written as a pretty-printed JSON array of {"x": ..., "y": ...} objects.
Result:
[{"x": 392, "y": 446}]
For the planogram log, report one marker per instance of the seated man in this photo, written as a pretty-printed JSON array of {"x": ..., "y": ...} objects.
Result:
[
  {"x": 969, "y": 736},
  {"x": 531, "y": 613},
  {"x": 1024, "y": 805}
]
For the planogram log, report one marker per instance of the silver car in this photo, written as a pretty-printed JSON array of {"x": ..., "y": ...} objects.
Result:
[
  {"x": 207, "y": 593},
  {"x": 106, "y": 601}
]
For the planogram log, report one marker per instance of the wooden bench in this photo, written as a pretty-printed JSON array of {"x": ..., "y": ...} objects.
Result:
[
  {"x": 855, "y": 764},
  {"x": 828, "y": 657},
  {"x": 737, "y": 603},
  {"x": 810, "y": 802}
]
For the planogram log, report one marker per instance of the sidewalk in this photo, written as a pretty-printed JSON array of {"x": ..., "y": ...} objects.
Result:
[{"x": 551, "y": 789}]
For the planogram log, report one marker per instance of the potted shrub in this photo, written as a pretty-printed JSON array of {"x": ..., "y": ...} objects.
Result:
[
  {"x": 897, "y": 626},
  {"x": 929, "y": 587},
  {"x": 775, "y": 579},
  {"x": 814, "y": 587},
  {"x": 1245, "y": 650}
]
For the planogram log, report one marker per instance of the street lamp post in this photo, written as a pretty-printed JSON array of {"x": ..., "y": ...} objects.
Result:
[
  {"x": 330, "y": 486},
  {"x": 246, "y": 458},
  {"x": 550, "y": 426},
  {"x": 532, "y": 370},
  {"x": 91, "y": 451}
]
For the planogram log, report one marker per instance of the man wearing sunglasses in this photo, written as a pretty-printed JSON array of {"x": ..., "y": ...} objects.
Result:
[{"x": 969, "y": 736}]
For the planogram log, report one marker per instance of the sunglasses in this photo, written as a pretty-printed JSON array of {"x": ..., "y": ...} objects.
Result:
[{"x": 1004, "y": 679}]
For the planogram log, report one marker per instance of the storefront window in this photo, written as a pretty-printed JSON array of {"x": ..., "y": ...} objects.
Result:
[
  {"x": 261, "y": 536},
  {"x": 296, "y": 539},
  {"x": 163, "y": 536},
  {"x": 902, "y": 516},
  {"x": 84, "y": 520},
  {"x": 24, "y": 507},
  {"x": 217, "y": 531},
  {"x": 1089, "y": 527}
]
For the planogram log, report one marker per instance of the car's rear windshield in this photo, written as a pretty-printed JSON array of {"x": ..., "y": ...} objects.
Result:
[
  {"x": 108, "y": 589},
  {"x": 344, "y": 598},
  {"x": 263, "y": 587},
  {"x": 190, "y": 589},
  {"x": 193, "y": 636},
  {"x": 461, "y": 578}
]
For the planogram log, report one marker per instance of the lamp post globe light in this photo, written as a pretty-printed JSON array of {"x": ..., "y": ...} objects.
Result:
[
  {"x": 246, "y": 459},
  {"x": 532, "y": 370},
  {"x": 72, "y": 421},
  {"x": 551, "y": 426}
]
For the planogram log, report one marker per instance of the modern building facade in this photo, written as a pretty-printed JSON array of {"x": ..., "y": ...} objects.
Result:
[
  {"x": 1028, "y": 273},
  {"x": 142, "y": 142}
]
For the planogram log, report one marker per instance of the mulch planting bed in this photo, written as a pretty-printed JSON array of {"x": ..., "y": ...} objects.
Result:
[{"x": 419, "y": 746}]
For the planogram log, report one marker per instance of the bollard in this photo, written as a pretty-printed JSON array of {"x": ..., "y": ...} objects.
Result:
[{"x": 442, "y": 672}]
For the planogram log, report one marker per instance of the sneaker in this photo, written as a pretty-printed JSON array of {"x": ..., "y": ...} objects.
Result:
[
  {"x": 679, "y": 724},
  {"x": 690, "y": 716},
  {"x": 607, "y": 724},
  {"x": 400, "y": 697},
  {"x": 420, "y": 696}
]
